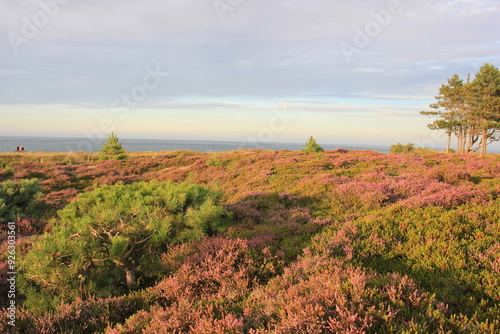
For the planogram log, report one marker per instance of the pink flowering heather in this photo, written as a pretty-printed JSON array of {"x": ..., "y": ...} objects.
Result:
[{"x": 338, "y": 242}]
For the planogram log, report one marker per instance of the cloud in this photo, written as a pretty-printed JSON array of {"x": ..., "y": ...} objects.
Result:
[{"x": 95, "y": 51}]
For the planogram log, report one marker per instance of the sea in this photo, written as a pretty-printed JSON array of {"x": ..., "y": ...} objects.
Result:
[{"x": 71, "y": 144}]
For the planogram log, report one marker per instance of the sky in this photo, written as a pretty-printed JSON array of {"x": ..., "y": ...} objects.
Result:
[{"x": 344, "y": 72}]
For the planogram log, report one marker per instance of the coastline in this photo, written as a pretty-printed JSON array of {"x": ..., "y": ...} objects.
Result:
[{"x": 92, "y": 145}]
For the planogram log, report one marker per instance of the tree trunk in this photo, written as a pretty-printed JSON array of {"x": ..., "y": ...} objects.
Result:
[
  {"x": 459, "y": 143},
  {"x": 449, "y": 143},
  {"x": 130, "y": 278},
  {"x": 471, "y": 140},
  {"x": 484, "y": 142},
  {"x": 463, "y": 144},
  {"x": 469, "y": 144}
]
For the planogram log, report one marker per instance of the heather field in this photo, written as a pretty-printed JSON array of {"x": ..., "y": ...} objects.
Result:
[{"x": 253, "y": 241}]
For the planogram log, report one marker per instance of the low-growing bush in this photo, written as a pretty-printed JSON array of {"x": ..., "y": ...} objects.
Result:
[
  {"x": 111, "y": 238},
  {"x": 400, "y": 148},
  {"x": 214, "y": 161},
  {"x": 358, "y": 242},
  {"x": 19, "y": 199}
]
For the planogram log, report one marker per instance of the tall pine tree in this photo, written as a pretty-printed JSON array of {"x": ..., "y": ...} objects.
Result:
[
  {"x": 450, "y": 107},
  {"x": 485, "y": 104},
  {"x": 470, "y": 111}
]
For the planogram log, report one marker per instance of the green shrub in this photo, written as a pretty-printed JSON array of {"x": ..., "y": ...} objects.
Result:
[
  {"x": 312, "y": 146},
  {"x": 110, "y": 239},
  {"x": 20, "y": 199},
  {"x": 214, "y": 161},
  {"x": 400, "y": 148}
]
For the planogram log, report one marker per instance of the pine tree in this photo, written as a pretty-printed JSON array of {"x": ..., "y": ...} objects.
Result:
[
  {"x": 112, "y": 149},
  {"x": 485, "y": 104},
  {"x": 312, "y": 146},
  {"x": 452, "y": 120},
  {"x": 470, "y": 111}
]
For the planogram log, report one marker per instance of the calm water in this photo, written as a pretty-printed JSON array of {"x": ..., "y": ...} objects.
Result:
[{"x": 50, "y": 144}]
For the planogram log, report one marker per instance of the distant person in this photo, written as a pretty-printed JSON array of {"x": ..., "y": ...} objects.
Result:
[
  {"x": 17, "y": 148},
  {"x": 21, "y": 148}
]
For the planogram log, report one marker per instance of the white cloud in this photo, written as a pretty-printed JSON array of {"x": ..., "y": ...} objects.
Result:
[{"x": 93, "y": 51}]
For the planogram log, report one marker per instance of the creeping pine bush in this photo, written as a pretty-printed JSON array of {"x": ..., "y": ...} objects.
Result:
[
  {"x": 20, "y": 198},
  {"x": 110, "y": 239}
]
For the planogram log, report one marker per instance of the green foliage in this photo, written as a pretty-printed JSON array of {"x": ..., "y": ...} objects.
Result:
[
  {"x": 312, "y": 146},
  {"x": 214, "y": 161},
  {"x": 400, "y": 148},
  {"x": 321, "y": 243},
  {"x": 470, "y": 111},
  {"x": 452, "y": 253},
  {"x": 113, "y": 149},
  {"x": 112, "y": 237},
  {"x": 19, "y": 199}
]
